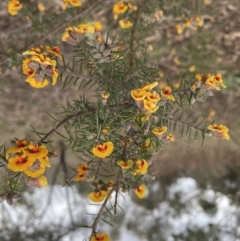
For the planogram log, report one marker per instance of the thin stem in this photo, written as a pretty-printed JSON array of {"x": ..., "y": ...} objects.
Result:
[{"x": 94, "y": 225}]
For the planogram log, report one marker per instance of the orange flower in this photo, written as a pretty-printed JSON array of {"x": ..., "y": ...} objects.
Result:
[
  {"x": 103, "y": 150},
  {"x": 97, "y": 26},
  {"x": 97, "y": 196},
  {"x": 20, "y": 162},
  {"x": 100, "y": 237},
  {"x": 167, "y": 94},
  {"x": 140, "y": 191},
  {"x": 35, "y": 82}
]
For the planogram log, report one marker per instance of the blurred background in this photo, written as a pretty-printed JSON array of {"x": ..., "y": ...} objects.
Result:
[{"x": 195, "y": 195}]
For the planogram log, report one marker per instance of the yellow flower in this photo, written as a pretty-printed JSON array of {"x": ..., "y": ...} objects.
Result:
[
  {"x": 219, "y": 80},
  {"x": 13, "y": 7},
  {"x": 170, "y": 137},
  {"x": 167, "y": 94},
  {"x": 119, "y": 8},
  {"x": 103, "y": 150},
  {"x": 97, "y": 196},
  {"x": 33, "y": 51},
  {"x": 45, "y": 161},
  {"x": 36, "y": 151},
  {"x": 82, "y": 171},
  {"x": 44, "y": 61},
  {"x": 41, "y": 7},
  {"x": 105, "y": 130},
  {"x": 125, "y": 164},
  {"x": 198, "y": 77},
  {"x": 219, "y": 131},
  {"x": 82, "y": 168},
  {"x": 210, "y": 83},
  {"x": 74, "y": 3},
  {"x": 132, "y": 7},
  {"x": 105, "y": 96},
  {"x": 179, "y": 29},
  {"x": 141, "y": 167},
  {"x": 138, "y": 94},
  {"x": 37, "y": 182},
  {"x": 149, "y": 107},
  {"x": 124, "y": 23},
  {"x": 100, "y": 237},
  {"x": 55, "y": 51},
  {"x": 192, "y": 68},
  {"x": 149, "y": 87},
  {"x": 159, "y": 131},
  {"x": 36, "y": 170},
  {"x": 140, "y": 191},
  {"x": 153, "y": 96},
  {"x": 84, "y": 28},
  {"x": 148, "y": 144},
  {"x": 199, "y": 21},
  {"x": 187, "y": 23},
  {"x": 20, "y": 162},
  {"x": 36, "y": 83},
  {"x": 97, "y": 26},
  {"x": 19, "y": 145}
]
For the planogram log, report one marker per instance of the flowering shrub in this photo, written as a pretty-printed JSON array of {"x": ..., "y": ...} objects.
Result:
[{"x": 130, "y": 116}]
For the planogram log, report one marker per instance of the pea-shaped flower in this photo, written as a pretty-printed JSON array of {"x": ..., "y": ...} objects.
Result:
[{"x": 103, "y": 150}]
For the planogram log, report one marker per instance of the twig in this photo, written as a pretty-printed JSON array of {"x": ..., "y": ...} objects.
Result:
[{"x": 94, "y": 225}]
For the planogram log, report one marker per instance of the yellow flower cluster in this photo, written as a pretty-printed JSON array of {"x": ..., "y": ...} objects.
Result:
[
  {"x": 13, "y": 7},
  {"x": 147, "y": 100},
  {"x": 189, "y": 23},
  {"x": 219, "y": 131},
  {"x": 204, "y": 84},
  {"x": 30, "y": 159},
  {"x": 120, "y": 8},
  {"x": 40, "y": 67},
  {"x": 74, "y": 3},
  {"x": 75, "y": 34}
]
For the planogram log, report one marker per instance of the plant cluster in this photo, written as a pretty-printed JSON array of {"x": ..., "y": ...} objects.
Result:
[{"x": 116, "y": 131}]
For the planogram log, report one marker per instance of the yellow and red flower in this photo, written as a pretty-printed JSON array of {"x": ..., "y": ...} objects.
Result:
[
  {"x": 81, "y": 172},
  {"x": 141, "y": 167},
  {"x": 167, "y": 94},
  {"x": 159, "y": 131},
  {"x": 125, "y": 164},
  {"x": 36, "y": 170},
  {"x": 100, "y": 237},
  {"x": 55, "y": 51},
  {"x": 153, "y": 96},
  {"x": 140, "y": 191},
  {"x": 20, "y": 162},
  {"x": 119, "y": 8},
  {"x": 103, "y": 150},
  {"x": 13, "y": 7},
  {"x": 19, "y": 145},
  {"x": 97, "y": 196},
  {"x": 36, "y": 151},
  {"x": 219, "y": 131}
]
